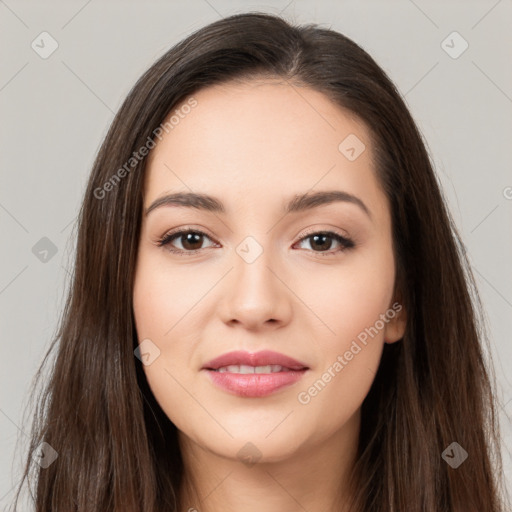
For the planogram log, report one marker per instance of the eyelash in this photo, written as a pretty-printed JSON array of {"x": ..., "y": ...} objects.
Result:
[{"x": 346, "y": 243}]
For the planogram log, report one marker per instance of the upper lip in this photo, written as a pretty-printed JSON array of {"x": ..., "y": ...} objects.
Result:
[{"x": 263, "y": 358}]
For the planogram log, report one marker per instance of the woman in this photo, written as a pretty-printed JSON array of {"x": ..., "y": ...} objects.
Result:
[{"x": 271, "y": 308}]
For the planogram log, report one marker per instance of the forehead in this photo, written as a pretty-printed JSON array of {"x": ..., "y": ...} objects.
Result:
[{"x": 259, "y": 139}]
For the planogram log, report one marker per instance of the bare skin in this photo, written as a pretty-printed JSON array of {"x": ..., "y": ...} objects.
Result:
[{"x": 254, "y": 146}]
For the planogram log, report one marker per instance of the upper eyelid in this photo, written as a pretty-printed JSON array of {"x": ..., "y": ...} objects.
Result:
[{"x": 314, "y": 231}]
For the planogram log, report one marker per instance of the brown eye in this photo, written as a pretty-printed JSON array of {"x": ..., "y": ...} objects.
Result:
[
  {"x": 324, "y": 241},
  {"x": 321, "y": 242},
  {"x": 190, "y": 241}
]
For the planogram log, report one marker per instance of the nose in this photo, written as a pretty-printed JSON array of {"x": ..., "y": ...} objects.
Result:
[{"x": 255, "y": 295}]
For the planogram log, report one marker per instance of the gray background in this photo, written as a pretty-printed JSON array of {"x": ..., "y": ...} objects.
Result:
[{"x": 56, "y": 111}]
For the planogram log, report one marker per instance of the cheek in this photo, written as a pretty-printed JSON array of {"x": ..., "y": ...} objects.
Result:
[
  {"x": 350, "y": 299},
  {"x": 352, "y": 307},
  {"x": 163, "y": 308},
  {"x": 329, "y": 400},
  {"x": 165, "y": 296}
]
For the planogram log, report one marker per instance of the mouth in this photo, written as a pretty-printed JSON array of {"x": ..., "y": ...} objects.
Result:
[
  {"x": 245, "y": 369},
  {"x": 265, "y": 361},
  {"x": 254, "y": 374}
]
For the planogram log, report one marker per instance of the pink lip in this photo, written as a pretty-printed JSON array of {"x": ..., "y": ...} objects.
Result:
[
  {"x": 263, "y": 358},
  {"x": 256, "y": 384}
]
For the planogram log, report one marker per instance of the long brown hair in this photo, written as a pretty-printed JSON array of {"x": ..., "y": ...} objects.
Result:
[{"x": 118, "y": 451}]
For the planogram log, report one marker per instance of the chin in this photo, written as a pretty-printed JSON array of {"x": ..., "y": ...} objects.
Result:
[{"x": 252, "y": 445}]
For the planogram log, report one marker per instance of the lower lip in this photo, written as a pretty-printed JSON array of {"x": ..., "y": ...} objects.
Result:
[{"x": 255, "y": 384}]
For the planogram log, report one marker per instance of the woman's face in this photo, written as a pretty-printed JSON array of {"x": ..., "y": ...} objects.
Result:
[{"x": 257, "y": 278}]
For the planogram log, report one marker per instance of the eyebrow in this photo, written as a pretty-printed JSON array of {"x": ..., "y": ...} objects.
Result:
[{"x": 298, "y": 203}]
